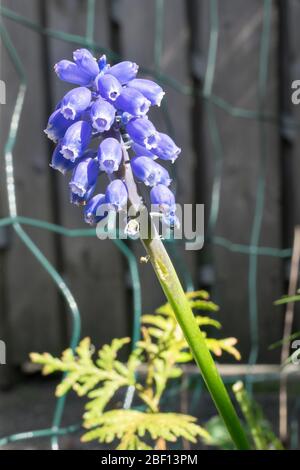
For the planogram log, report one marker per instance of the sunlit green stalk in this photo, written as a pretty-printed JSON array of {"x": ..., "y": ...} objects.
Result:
[{"x": 172, "y": 288}]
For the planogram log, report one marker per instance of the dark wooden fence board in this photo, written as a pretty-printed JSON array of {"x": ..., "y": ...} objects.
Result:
[
  {"x": 93, "y": 268},
  {"x": 31, "y": 294}
]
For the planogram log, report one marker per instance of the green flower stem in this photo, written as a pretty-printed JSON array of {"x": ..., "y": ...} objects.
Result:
[{"x": 173, "y": 290}]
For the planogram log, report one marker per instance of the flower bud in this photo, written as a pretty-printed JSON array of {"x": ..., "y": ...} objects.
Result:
[
  {"x": 124, "y": 71},
  {"x": 151, "y": 90},
  {"x": 71, "y": 73},
  {"x": 86, "y": 62},
  {"x": 166, "y": 148}
]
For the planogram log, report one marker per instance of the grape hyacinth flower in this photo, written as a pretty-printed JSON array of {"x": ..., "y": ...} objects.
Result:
[
  {"x": 101, "y": 126},
  {"x": 101, "y": 139}
]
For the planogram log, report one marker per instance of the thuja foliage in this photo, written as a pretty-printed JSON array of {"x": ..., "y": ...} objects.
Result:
[{"x": 156, "y": 360}]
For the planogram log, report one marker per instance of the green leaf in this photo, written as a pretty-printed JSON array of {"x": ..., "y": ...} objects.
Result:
[{"x": 128, "y": 425}]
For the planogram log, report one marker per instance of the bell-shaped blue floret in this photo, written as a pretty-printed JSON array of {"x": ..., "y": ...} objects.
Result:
[
  {"x": 132, "y": 102},
  {"x": 141, "y": 151},
  {"x": 116, "y": 194},
  {"x": 149, "y": 172},
  {"x": 110, "y": 155},
  {"x": 124, "y": 71},
  {"x": 108, "y": 86},
  {"x": 142, "y": 131},
  {"x": 60, "y": 163},
  {"x": 76, "y": 140},
  {"x": 102, "y": 115},
  {"x": 95, "y": 209},
  {"x": 86, "y": 62},
  {"x": 75, "y": 102},
  {"x": 166, "y": 148},
  {"x": 84, "y": 176},
  {"x": 57, "y": 126},
  {"x": 71, "y": 73},
  {"x": 151, "y": 90}
]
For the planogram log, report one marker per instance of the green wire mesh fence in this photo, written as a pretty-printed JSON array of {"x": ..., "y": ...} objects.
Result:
[{"x": 253, "y": 250}]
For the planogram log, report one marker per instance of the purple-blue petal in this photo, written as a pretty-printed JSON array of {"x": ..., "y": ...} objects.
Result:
[
  {"x": 95, "y": 209},
  {"x": 142, "y": 131},
  {"x": 102, "y": 115},
  {"x": 86, "y": 62},
  {"x": 108, "y": 86},
  {"x": 151, "y": 90},
  {"x": 57, "y": 126},
  {"x": 132, "y": 102},
  {"x": 58, "y": 162},
  {"x": 141, "y": 151},
  {"x": 75, "y": 102},
  {"x": 166, "y": 148},
  {"x": 71, "y": 73},
  {"x": 163, "y": 197},
  {"x": 110, "y": 155},
  {"x": 124, "y": 71},
  {"x": 84, "y": 176},
  {"x": 82, "y": 200},
  {"x": 116, "y": 194},
  {"x": 149, "y": 172},
  {"x": 76, "y": 140}
]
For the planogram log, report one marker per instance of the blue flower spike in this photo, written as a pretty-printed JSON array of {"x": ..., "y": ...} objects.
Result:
[{"x": 106, "y": 113}]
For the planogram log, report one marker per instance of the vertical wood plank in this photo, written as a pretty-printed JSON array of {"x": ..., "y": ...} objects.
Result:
[
  {"x": 138, "y": 44},
  {"x": 31, "y": 295},
  {"x": 93, "y": 268}
]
